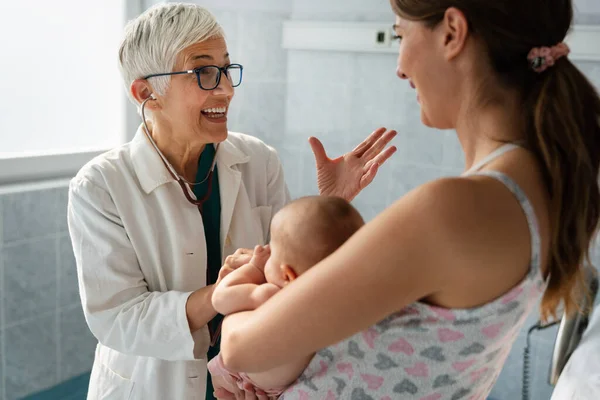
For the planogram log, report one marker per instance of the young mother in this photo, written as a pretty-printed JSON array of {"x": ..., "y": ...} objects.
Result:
[{"x": 426, "y": 301}]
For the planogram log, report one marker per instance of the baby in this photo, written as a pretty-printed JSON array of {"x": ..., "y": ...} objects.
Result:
[{"x": 302, "y": 234}]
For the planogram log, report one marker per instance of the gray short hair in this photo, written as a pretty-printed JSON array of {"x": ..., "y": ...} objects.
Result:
[{"x": 154, "y": 39}]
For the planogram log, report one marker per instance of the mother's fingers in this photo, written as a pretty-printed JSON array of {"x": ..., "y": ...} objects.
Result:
[
  {"x": 379, "y": 145},
  {"x": 381, "y": 158},
  {"x": 368, "y": 142}
]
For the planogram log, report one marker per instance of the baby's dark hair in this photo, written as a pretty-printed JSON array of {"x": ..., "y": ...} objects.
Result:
[{"x": 315, "y": 227}]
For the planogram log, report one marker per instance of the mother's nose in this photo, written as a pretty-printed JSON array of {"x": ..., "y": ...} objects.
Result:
[{"x": 401, "y": 74}]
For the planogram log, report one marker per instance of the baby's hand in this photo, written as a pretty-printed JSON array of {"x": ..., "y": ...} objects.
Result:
[{"x": 260, "y": 257}]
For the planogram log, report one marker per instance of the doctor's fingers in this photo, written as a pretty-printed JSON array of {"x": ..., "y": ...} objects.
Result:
[
  {"x": 239, "y": 258},
  {"x": 223, "y": 272}
]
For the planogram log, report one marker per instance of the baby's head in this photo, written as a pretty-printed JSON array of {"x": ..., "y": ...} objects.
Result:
[{"x": 306, "y": 231}]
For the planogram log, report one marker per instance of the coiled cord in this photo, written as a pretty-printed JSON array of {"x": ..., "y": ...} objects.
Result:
[{"x": 526, "y": 357}]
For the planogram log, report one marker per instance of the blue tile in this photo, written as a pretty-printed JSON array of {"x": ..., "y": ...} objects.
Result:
[
  {"x": 260, "y": 48},
  {"x": 369, "y": 210},
  {"x": 62, "y": 195},
  {"x": 2, "y": 306},
  {"x": 29, "y": 287},
  {"x": 420, "y": 145},
  {"x": 542, "y": 357},
  {"x": 77, "y": 344},
  {"x": 378, "y": 192},
  {"x": 73, "y": 389},
  {"x": 282, "y": 6},
  {"x": 32, "y": 214},
  {"x": 379, "y": 97},
  {"x": 229, "y": 21},
  {"x": 509, "y": 384},
  {"x": 407, "y": 177},
  {"x": 261, "y": 110},
  {"x": 292, "y": 169},
  {"x": 2, "y": 385},
  {"x": 343, "y": 10},
  {"x": 68, "y": 286},
  {"x": 31, "y": 363},
  {"x": 453, "y": 155},
  {"x": 309, "y": 172},
  {"x": 316, "y": 107}
]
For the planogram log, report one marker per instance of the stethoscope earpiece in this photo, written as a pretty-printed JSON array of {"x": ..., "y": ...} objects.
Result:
[{"x": 180, "y": 179}]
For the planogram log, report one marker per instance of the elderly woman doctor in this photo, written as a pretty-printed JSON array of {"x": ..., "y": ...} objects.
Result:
[{"x": 152, "y": 221}]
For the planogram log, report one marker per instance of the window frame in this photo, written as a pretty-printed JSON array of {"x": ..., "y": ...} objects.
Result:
[{"x": 61, "y": 165}]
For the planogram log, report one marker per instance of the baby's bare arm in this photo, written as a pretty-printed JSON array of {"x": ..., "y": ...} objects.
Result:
[
  {"x": 244, "y": 289},
  {"x": 234, "y": 292},
  {"x": 282, "y": 376}
]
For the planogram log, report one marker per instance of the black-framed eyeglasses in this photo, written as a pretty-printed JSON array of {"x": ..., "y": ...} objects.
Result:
[{"x": 209, "y": 76}]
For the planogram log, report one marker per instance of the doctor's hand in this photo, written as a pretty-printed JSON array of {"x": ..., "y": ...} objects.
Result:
[
  {"x": 347, "y": 175},
  {"x": 234, "y": 261}
]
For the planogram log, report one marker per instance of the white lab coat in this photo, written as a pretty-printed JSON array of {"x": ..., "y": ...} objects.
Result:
[
  {"x": 580, "y": 379},
  {"x": 140, "y": 251}
]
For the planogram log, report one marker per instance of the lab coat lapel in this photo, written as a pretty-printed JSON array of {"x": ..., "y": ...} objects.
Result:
[{"x": 230, "y": 179}]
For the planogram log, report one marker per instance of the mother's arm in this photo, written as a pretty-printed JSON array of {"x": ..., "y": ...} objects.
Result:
[
  {"x": 120, "y": 310},
  {"x": 370, "y": 277}
]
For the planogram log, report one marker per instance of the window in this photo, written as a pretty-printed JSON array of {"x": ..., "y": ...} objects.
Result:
[{"x": 61, "y": 88}]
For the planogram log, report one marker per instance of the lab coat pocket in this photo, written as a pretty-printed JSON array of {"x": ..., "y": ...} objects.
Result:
[
  {"x": 106, "y": 384},
  {"x": 196, "y": 388},
  {"x": 262, "y": 217}
]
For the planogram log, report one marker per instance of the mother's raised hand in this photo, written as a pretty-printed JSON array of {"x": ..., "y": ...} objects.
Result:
[{"x": 347, "y": 175}]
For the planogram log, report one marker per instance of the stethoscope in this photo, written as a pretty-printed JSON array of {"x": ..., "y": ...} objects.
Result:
[
  {"x": 214, "y": 336},
  {"x": 180, "y": 179}
]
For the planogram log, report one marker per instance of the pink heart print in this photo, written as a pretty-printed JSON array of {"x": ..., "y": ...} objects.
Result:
[
  {"x": 435, "y": 396},
  {"x": 401, "y": 346},
  {"x": 370, "y": 335},
  {"x": 460, "y": 366},
  {"x": 330, "y": 396},
  {"x": 323, "y": 371},
  {"x": 476, "y": 375},
  {"x": 373, "y": 382},
  {"x": 444, "y": 313},
  {"x": 448, "y": 335},
  {"x": 493, "y": 330},
  {"x": 419, "y": 370},
  {"x": 302, "y": 395},
  {"x": 346, "y": 368},
  {"x": 512, "y": 295}
]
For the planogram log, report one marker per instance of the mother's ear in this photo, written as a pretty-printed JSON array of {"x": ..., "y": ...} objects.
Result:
[{"x": 455, "y": 28}]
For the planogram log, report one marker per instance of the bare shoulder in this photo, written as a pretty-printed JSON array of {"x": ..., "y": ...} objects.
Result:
[{"x": 477, "y": 233}]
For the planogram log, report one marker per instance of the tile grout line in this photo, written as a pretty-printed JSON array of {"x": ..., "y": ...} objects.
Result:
[
  {"x": 28, "y": 320},
  {"x": 20, "y": 242},
  {"x": 2, "y": 317},
  {"x": 57, "y": 309}
]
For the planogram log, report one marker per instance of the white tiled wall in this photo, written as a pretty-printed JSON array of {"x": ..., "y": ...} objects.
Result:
[
  {"x": 44, "y": 339},
  {"x": 285, "y": 98}
]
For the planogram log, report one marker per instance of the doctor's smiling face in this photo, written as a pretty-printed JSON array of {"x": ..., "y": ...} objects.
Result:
[{"x": 193, "y": 114}]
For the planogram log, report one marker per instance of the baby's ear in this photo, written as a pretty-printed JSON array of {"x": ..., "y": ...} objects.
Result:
[{"x": 288, "y": 273}]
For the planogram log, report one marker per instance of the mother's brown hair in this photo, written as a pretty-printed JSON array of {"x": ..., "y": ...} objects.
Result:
[{"x": 561, "y": 116}]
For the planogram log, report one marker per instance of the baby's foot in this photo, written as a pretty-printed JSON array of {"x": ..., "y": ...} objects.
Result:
[{"x": 260, "y": 257}]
